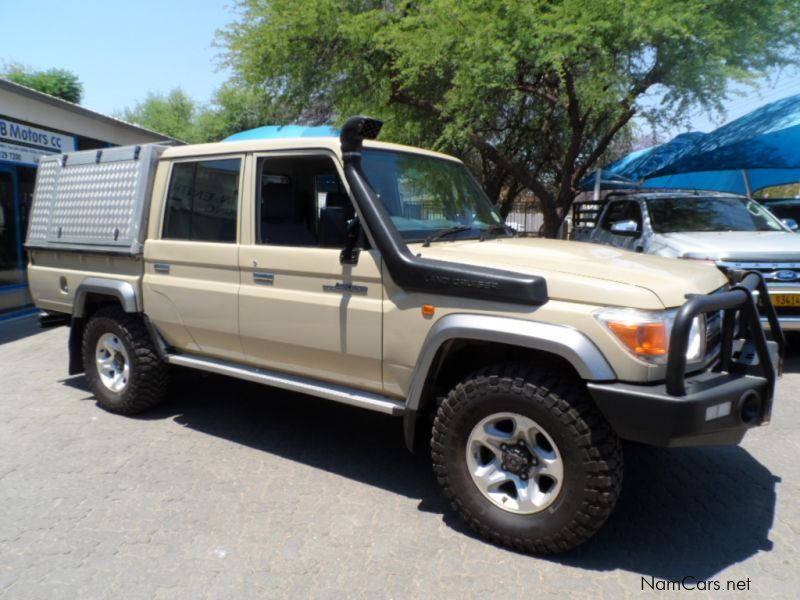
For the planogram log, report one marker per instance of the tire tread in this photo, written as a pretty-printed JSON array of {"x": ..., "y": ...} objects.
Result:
[
  {"x": 148, "y": 387},
  {"x": 555, "y": 390}
]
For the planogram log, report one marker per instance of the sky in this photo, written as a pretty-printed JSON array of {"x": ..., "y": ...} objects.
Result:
[
  {"x": 121, "y": 51},
  {"x": 742, "y": 100}
]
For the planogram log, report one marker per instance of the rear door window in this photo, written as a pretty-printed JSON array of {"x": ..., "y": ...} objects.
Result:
[{"x": 203, "y": 200}]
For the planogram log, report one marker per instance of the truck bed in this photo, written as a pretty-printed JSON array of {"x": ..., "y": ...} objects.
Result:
[
  {"x": 89, "y": 219},
  {"x": 585, "y": 215},
  {"x": 55, "y": 274}
]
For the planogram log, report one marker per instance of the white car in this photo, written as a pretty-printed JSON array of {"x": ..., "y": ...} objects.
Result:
[{"x": 730, "y": 231}]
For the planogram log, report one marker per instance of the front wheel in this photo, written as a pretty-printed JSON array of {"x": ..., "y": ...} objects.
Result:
[
  {"x": 122, "y": 366},
  {"x": 526, "y": 459}
]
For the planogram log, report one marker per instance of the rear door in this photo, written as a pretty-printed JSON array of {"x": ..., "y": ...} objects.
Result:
[
  {"x": 191, "y": 280},
  {"x": 301, "y": 310}
]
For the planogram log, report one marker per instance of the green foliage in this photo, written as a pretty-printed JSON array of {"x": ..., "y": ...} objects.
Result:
[
  {"x": 237, "y": 108},
  {"x": 233, "y": 109},
  {"x": 56, "y": 82},
  {"x": 531, "y": 92},
  {"x": 173, "y": 114}
]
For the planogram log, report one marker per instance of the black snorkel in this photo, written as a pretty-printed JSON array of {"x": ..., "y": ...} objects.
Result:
[{"x": 416, "y": 274}]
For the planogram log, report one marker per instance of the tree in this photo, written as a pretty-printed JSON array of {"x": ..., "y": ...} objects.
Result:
[
  {"x": 233, "y": 108},
  {"x": 535, "y": 90},
  {"x": 56, "y": 82},
  {"x": 172, "y": 114},
  {"x": 237, "y": 107}
]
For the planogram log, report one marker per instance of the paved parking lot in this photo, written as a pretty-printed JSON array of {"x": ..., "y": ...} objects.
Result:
[{"x": 233, "y": 490}]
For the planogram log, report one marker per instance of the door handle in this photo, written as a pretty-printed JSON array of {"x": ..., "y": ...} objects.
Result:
[
  {"x": 161, "y": 268},
  {"x": 264, "y": 278}
]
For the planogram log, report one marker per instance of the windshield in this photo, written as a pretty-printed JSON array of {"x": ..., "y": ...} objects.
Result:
[
  {"x": 426, "y": 195},
  {"x": 709, "y": 213}
]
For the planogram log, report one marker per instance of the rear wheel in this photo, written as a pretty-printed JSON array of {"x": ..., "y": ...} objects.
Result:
[
  {"x": 526, "y": 459},
  {"x": 122, "y": 366}
]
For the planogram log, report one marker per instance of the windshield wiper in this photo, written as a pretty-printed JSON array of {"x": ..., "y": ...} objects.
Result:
[
  {"x": 444, "y": 232},
  {"x": 485, "y": 233}
]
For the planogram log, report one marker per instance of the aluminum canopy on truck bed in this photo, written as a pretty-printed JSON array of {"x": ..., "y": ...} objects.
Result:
[{"x": 94, "y": 200}]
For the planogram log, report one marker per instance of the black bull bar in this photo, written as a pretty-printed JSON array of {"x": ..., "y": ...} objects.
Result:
[
  {"x": 740, "y": 298},
  {"x": 712, "y": 405}
]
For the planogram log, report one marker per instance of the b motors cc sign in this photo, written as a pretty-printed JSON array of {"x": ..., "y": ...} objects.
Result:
[{"x": 25, "y": 144}]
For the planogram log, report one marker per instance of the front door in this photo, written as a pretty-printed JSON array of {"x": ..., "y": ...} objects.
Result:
[
  {"x": 621, "y": 225},
  {"x": 301, "y": 310}
]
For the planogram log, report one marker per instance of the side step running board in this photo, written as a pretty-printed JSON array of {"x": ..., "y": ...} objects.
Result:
[{"x": 330, "y": 391}]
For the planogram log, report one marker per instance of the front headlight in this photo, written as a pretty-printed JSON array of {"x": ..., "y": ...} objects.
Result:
[{"x": 646, "y": 333}]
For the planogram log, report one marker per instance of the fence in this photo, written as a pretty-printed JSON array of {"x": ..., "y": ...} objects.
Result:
[{"x": 525, "y": 217}]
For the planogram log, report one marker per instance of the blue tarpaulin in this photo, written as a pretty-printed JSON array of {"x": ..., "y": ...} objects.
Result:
[
  {"x": 269, "y": 132},
  {"x": 767, "y": 138},
  {"x": 758, "y": 150},
  {"x": 630, "y": 170},
  {"x": 735, "y": 182}
]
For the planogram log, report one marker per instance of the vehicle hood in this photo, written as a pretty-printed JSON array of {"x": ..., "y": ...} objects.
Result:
[
  {"x": 588, "y": 273},
  {"x": 752, "y": 246}
]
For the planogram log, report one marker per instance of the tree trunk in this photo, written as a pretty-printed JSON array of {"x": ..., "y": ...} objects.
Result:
[
  {"x": 551, "y": 219},
  {"x": 555, "y": 210},
  {"x": 552, "y": 223}
]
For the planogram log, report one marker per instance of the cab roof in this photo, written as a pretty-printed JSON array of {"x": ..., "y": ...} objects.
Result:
[{"x": 328, "y": 143}]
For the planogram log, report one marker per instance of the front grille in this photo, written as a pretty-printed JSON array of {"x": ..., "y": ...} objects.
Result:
[
  {"x": 773, "y": 272},
  {"x": 785, "y": 274}
]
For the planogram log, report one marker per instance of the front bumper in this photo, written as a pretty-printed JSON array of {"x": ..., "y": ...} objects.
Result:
[
  {"x": 788, "y": 316},
  {"x": 718, "y": 409},
  {"x": 715, "y": 406},
  {"x": 787, "y": 323}
]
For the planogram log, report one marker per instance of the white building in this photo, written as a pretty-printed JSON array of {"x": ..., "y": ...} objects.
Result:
[{"x": 33, "y": 124}]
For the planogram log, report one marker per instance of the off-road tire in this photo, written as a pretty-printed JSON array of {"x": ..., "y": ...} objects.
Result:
[
  {"x": 590, "y": 450},
  {"x": 149, "y": 375}
]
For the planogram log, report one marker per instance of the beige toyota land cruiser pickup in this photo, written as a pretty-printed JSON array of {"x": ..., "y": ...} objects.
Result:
[{"x": 380, "y": 276}]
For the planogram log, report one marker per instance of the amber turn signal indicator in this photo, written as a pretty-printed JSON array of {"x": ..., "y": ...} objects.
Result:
[
  {"x": 648, "y": 339},
  {"x": 428, "y": 310}
]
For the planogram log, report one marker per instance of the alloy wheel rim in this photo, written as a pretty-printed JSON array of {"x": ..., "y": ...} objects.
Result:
[
  {"x": 113, "y": 363},
  {"x": 514, "y": 463}
]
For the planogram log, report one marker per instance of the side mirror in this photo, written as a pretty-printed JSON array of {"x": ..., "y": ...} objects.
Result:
[
  {"x": 625, "y": 228},
  {"x": 349, "y": 256},
  {"x": 332, "y": 227},
  {"x": 791, "y": 224}
]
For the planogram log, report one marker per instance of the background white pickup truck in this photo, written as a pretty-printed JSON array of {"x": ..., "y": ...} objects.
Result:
[{"x": 730, "y": 231}]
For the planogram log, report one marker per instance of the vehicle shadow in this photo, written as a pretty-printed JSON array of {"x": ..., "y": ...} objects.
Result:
[
  {"x": 16, "y": 329},
  {"x": 791, "y": 362},
  {"x": 689, "y": 511},
  {"x": 684, "y": 511}
]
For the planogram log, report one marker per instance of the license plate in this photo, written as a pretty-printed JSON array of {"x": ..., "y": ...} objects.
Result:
[{"x": 785, "y": 299}]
